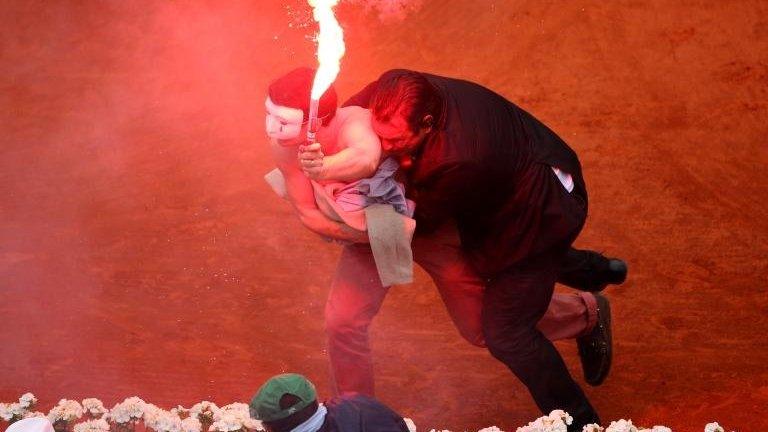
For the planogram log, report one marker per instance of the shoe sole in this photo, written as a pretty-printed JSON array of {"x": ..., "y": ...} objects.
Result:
[{"x": 603, "y": 307}]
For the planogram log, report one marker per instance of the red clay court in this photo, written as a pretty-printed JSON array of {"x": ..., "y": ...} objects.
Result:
[{"x": 141, "y": 252}]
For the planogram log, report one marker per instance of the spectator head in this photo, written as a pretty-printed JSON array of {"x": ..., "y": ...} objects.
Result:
[{"x": 284, "y": 402}]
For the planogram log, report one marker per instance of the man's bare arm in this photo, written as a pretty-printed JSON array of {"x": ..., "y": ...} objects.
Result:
[
  {"x": 302, "y": 198},
  {"x": 358, "y": 159}
]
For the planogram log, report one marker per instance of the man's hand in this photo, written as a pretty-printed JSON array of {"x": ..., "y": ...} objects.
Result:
[{"x": 311, "y": 161}]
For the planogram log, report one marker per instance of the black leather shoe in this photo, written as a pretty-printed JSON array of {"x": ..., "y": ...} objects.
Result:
[
  {"x": 612, "y": 271},
  {"x": 596, "y": 348},
  {"x": 592, "y": 271},
  {"x": 617, "y": 271}
]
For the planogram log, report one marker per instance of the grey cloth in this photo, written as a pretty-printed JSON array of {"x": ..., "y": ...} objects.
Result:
[
  {"x": 381, "y": 188},
  {"x": 389, "y": 232},
  {"x": 390, "y": 235}
]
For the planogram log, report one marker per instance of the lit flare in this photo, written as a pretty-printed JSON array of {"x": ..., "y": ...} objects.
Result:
[{"x": 330, "y": 50}]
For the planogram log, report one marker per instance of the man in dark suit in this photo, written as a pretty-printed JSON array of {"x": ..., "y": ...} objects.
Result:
[{"x": 516, "y": 193}]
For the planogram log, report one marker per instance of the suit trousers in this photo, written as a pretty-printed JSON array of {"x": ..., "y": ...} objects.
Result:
[{"x": 357, "y": 294}]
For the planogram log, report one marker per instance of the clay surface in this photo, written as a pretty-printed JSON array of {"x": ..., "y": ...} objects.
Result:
[{"x": 141, "y": 253}]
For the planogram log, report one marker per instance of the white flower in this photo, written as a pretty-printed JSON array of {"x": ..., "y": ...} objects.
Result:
[
  {"x": 592, "y": 427},
  {"x": 555, "y": 422},
  {"x": 160, "y": 420},
  {"x": 204, "y": 410},
  {"x": 191, "y": 424},
  {"x": 180, "y": 411},
  {"x": 713, "y": 427},
  {"x": 27, "y": 400},
  {"x": 411, "y": 425},
  {"x": 67, "y": 410},
  {"x": 17, "y": 410},
  {"x": 5, "y": 412},
  {"x": 562, "y": 416},
  {"x": 128, "y": 410},
  {"x": 491, "y": 429},
  {"x": 660, "y": 429},
  {"x": 11, "y": 411},
  {"x": 253, "y": 424},
  {"x": 31, "y": 414},
  {"x": 150, "y": 413},
  {"x": 621, "y": 426},
  {"x": 94, "y": 407},
  {"x": 226, "y": 422},
  {"x": 237, "y": 409},
  {"x": 98, "y": 425},
  {"x": 235, "y": 406},
  {"x": 240, "y": 412},
  {"x": 435, "y": 430}
]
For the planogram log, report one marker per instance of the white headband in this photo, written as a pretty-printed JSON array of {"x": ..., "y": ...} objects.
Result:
[{"x": 283, "y": 122}]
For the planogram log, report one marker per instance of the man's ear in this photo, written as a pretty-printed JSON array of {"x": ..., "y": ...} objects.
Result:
[{"x": 427, "y": 122}]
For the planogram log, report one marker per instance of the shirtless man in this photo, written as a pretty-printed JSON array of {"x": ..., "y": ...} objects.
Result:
[
  {"x": 348, "y": 150},
  {"x": 350, "y": 147}
]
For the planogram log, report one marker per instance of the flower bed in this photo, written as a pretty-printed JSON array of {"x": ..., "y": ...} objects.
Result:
[{"x": 134, "y": 414}]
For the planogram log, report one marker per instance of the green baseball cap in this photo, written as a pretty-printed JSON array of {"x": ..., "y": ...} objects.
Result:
[{"x": 265, "y": 405}]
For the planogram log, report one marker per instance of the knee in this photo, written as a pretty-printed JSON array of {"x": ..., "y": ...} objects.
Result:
[
  {"x": 508, "y": 343},
  {"x": 495, "y": 343},
  {"x": 476, "y": 340},
  {"x": 335, "y": 323},
  {"x": 473, "y": 335},
  {"x": 340, "y": 324}
]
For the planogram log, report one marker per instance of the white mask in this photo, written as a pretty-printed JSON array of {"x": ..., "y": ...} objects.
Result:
[{"x": 283, "y": 122}]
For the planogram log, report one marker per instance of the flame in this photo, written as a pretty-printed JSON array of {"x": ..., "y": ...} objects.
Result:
[{"x": 330, "y": 46}]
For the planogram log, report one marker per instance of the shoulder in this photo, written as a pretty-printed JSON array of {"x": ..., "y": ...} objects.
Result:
[
  {"x": 349, "y": 399},
  {"x": 363, "y": 407},
  {"x": 357, "y": 412},
  {"x": 356, "y": 128},
  {"x": 355, "y": 402},
  {"x": 355, "y": 118},
  {"x": 354, "y": 114}
]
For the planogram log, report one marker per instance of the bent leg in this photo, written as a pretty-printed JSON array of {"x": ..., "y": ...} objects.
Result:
[
  {"x": 461, "y": 288},
  {"x": 355, "y": 298},
  {"x": 569, "y": 316},
  {"x": 514, "y": 303}
]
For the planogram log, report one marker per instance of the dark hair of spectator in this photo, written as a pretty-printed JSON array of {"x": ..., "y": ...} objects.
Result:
[{"x": 408, "y": 93}]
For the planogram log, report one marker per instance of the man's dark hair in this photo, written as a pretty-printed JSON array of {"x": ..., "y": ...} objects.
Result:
[
  {"x": 285, "y": 425},
  {"x": 294, "y": 89},
  {"x": 409, "y": 93}
]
